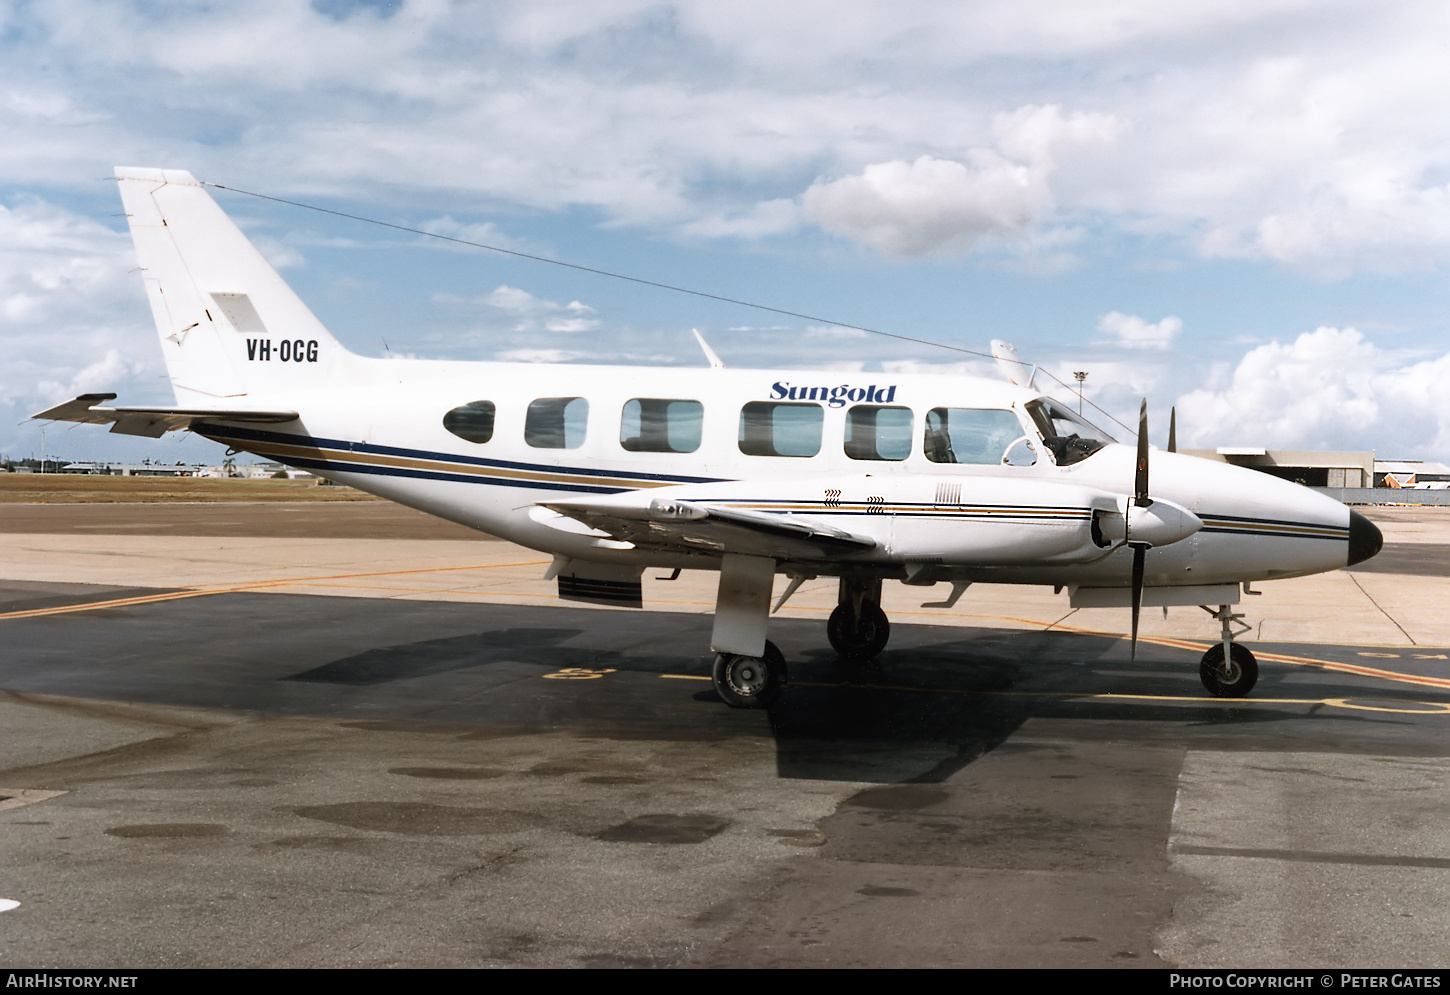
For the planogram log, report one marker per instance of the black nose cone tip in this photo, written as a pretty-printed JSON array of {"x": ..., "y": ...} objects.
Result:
[{"x": 1365, "y": 539}]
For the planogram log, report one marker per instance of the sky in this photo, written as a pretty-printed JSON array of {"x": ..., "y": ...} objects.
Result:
[{"x": 1237, "y": 208}]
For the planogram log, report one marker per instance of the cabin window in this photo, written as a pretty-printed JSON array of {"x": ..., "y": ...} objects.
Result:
[
  {"x": 472, "y": 421},
  {"x": 556, "y": 422},
  {"x": 878, "y": 433},
  {"x": 771, "y": 429},
  {"x": 657, "y": 425},
  {"x": 971, "y": 435}
]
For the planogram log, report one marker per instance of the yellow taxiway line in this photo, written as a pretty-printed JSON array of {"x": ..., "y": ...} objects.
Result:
[
  {"x": 1356, "y": 703},
  {"x": 262, "y": 585}
]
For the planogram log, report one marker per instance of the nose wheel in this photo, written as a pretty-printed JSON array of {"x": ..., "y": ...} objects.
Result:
[
  {"x": 749, "y": 681},
  {"x": 1234, "y": 680},
  {"x": 1228, "y": 669}
]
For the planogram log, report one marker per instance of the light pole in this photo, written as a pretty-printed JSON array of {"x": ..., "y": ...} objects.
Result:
[{"x": 1081, "y": 375}]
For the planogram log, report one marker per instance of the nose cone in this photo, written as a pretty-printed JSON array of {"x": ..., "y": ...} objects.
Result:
[{"x": 1365, "y": 539}]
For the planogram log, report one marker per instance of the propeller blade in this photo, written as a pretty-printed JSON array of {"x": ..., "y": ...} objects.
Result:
[
  {"x": 1173, "y": 430},
  {"x": 1140, "y": 483},
  {"x": 1141, "y": 500},
  {"x": 1139, "y": 554}
]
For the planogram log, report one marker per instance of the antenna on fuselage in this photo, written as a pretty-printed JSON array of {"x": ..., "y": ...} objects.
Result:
[
  {"x": 715, "y": 362},
  {"x": 1016, "y": 371}
]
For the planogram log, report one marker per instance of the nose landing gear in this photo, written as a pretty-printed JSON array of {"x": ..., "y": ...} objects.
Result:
[{"x": 1228, "y": 669}]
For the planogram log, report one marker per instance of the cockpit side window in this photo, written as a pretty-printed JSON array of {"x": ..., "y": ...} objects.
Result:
[
  {"x": 771, "y": 429},
  {"x": 980, "y": 436},
  {"x": 876, "y": 432},
  {"x": 1069, "y": 436}
]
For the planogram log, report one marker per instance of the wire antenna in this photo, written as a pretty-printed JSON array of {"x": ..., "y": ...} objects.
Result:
[{"x": 635, "y": 279}]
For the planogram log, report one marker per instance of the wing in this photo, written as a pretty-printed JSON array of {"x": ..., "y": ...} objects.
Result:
[
  {"x": 678, "y": 526},
  {"x": 152, "y": 422}
]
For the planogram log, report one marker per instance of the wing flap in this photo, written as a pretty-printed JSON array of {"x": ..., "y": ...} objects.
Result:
[
  {"x": 152, "y": 422},
  {"x": 695, "y": 527}
]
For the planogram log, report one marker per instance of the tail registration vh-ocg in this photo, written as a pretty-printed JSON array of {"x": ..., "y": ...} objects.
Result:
[{"x": 920, "y": 479}]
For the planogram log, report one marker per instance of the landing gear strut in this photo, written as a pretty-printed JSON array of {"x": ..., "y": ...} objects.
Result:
[
  {"x": 858, "y": 629},
  {"x": 1228, "y": 669},
  {"x": 749, "y": 670}
]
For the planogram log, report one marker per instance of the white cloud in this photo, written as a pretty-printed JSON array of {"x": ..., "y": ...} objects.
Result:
[
  {"x": 538, "y": 356},
  {"x": 528, "y": 314},
  {"x": 507, "y": 298},
  {"x": 1133, "y": 332},
  {"x": 834, "y": 332},
  {"x": 771, "y": 217},
  {"x": 1309, "y": 132},
  {"x": 930, "y": 205},
  {"x": 484, "y": 233},
  {"x": 1328, "y": 389},
  {"x": 937, "y": 205},
  {"x": 278, "y": 253},
  {"x": 73, "y": 318},
  {"x": 106, "y": 374},
  {"x": 535, "y": 312}
]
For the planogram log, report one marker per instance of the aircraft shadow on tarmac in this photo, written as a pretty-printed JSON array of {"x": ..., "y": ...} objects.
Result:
[
  {"x": 431, "y": 657},
  {"x": 969, "y": 695},
  {"x": 940, "y": 699}
]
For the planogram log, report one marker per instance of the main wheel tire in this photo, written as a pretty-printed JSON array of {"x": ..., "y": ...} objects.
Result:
[
  {"x": 750, "y": 681},
  {"x": 1242, "y": 675},
  {"x": 865, "y": 638}
]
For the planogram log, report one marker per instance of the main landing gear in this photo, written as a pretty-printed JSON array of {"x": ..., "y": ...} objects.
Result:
[
  {"x": 749, "y": 670},
  {"x": 749, "y": 681},
  {"x": 1228, "y": 670},
  {"x": 858, "y": 629}
]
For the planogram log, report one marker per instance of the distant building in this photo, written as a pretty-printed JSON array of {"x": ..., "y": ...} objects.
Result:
[
  {"x": 1313, "y": 469},
  {"x": 1411, "y": 473},
  {"x": 132, "y": 469}
]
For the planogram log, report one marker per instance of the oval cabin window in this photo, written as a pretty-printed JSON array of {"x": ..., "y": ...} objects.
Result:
[{"x": 472, "y": 421}]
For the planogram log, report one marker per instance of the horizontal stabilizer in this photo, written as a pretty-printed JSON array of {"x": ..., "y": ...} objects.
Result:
[
  {"x": 669, "y": 525},
  {"x": 152, "y": 422}
]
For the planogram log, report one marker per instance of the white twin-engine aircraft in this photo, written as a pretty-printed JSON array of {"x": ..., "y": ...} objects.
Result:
[{"x": 863, "y": 477}]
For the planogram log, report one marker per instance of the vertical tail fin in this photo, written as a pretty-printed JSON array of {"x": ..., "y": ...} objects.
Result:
[{"x": 230, "y": 327}]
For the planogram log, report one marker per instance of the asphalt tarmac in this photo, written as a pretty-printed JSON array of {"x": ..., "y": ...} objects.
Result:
[{"x": 216, "y": 776}]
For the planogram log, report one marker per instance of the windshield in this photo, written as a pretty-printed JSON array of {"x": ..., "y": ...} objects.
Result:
[{"x": 1070, "y": 438}]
